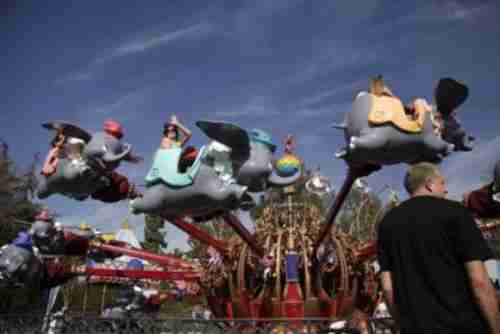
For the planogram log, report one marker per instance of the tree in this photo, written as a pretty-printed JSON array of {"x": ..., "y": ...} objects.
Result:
[
  {"x": 16, "y": 192},
  {"x": 216, "y": 228},
  {"x": 362, "y": 211},
  {"x": 154, "y": 237}
]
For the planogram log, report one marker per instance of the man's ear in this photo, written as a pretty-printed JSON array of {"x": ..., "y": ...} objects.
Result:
[{"x": 429, "y": 185}]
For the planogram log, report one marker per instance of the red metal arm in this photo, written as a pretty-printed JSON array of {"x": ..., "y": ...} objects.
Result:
[
  {"x": 165, "y": 260},
  {"x": 144, "y": 274},
  {"x": 238, "y": 227},
  {"x": 353, "y": 173},
  {"x": 198, "y": 233}
]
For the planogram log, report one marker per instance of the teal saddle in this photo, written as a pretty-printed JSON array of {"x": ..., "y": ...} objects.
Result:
[{"x": 166, "y": 168}]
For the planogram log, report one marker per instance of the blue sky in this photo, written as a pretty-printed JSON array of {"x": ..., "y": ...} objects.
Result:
[{"x": 283, "y": 66}]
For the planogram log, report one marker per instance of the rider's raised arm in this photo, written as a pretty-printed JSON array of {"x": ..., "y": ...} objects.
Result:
[{"x": 185, "y": 131}]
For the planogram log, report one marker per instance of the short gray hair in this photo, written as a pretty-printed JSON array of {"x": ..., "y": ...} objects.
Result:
[{"x": 418, "y": 174}]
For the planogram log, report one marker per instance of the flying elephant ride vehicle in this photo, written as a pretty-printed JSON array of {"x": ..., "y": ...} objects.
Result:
[
  {"x": 19, "y": 265},
  {"x": 485, "y": 201},
  {"x": 82, "y": 165},
  {"x": 23, "y": 262},
  {"x": 232, "y": 164},
  {"x": 380, "y": 130}
]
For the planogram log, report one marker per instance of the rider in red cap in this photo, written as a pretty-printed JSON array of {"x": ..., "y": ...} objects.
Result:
[
  {"x": 120, "y": 187},
  {"x": 113, "y": 128}
]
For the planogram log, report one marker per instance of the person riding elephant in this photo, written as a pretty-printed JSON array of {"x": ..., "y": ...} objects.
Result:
[
  {"x": 176, "y": 135},
  {"x": 379, "y": 130},
  {"x": 119, "y": 187},
  {"x": 46, "y": 234},
  {"x": 53, "y": 156},
  {"x": 172, "y": 134},
  {"x": 82, "y": 165},
  {"x": 484, "y": 202}
]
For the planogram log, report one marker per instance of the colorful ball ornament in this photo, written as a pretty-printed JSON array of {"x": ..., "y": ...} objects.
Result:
[{"x": 288, "y": 165}]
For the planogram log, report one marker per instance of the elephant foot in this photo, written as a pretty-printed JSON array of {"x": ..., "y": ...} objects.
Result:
[
  {"x": 496, "y": 197},
  {"x": 341, "y": 154},
  {"x": 352, "y": 143},
  {"x": 468, "y": 144},
  {"x": 247, "y": 202},
  {"x": 449, "y": 149},
  {"x": 238, "y": 190},
  {"x": 132, "y": 207}
]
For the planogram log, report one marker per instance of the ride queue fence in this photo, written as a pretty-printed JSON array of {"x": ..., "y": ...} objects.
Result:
[{"x": 38, "y": 324}]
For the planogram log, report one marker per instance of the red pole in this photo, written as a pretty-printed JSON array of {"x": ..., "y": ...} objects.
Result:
[
  {"x": 165, "y": 260},
  {"x": 198, "y": 233},
  {"x": 353, "y": 173},
  {"x": 144, "y": 274},
  {"x": 241, "y": 230}
]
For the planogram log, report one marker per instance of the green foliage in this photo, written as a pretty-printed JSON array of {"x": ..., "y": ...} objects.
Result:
[
  {"x": 360, "y": 213},
  {"x": 217, "y": 229},
  {"x": 16, "y": 207},
  {"x": 20, "y": 300},
  {"x": 181, "y": 307},
  {"x": 154, "y": 238}
]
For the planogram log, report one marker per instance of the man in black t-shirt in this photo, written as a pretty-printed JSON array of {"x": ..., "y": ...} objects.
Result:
[{"x": 431, "y": 255}]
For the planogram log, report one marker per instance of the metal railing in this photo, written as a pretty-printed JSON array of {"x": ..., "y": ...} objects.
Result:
[{"x": 80, "y": 324}]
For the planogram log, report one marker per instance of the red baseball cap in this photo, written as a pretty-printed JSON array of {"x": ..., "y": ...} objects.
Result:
[{"x": 113, "y": 128}]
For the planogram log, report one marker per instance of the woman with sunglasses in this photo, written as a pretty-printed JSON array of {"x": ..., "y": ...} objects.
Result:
[{"x": 172, "y": 134}]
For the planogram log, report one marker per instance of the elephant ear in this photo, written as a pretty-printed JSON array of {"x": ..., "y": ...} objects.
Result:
[
  {"x": 69, "y": 130},
  {"x": 450, "y": 94},
  {"x": 230, "y": 135}
]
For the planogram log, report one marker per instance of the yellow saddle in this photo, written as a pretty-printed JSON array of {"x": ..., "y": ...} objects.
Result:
[{"x": 388, "y": 109}]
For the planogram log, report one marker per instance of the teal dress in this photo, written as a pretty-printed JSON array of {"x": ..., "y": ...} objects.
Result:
[{"x": 165, "y": 168}]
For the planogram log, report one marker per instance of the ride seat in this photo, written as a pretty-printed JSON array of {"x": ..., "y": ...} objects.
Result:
[{"x": 388, "y": 109}]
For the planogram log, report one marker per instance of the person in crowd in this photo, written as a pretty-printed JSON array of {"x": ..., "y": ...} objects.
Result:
[{"x": 431, "y": 254}]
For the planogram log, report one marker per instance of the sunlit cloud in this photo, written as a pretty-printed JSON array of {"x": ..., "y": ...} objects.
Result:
[{"x": 151, "y": 41}]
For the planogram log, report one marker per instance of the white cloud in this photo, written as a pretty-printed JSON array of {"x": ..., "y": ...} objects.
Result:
[
  {"x": 444, "y": 11},
  {"x": 455, "y": 11},
  {"x": 123, "y": 108},
  {"x": 75, "y": 77},
  {"x": 340, "y": 108},
  {"x": 334, "y": 57},
  {"x": 337, "y": 89},
  {"x": 258, "y": 106},
  {"x": 152, "y": 41}
]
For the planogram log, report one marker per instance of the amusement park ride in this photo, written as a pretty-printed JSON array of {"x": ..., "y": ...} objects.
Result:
[{"x": 296, "y": 264}]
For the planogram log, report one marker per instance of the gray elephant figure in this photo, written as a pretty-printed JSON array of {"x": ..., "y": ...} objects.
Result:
[
  {"x": 385, "y": 143},
  {"x": 19, "y": 266},
  {"x": 232, "y": 164},
  {"x": 48, "y": 238},
  {"x": 85, "y": 170},
  {"x": 251, "y": 155},
  {"x": 129, "y": 303},
  {"x": 449, "y": 95}
]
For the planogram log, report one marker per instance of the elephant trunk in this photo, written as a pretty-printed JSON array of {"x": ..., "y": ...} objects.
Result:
[
  {"x": 232, "y": 190},
  {"x": 150, "y": 202}
]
